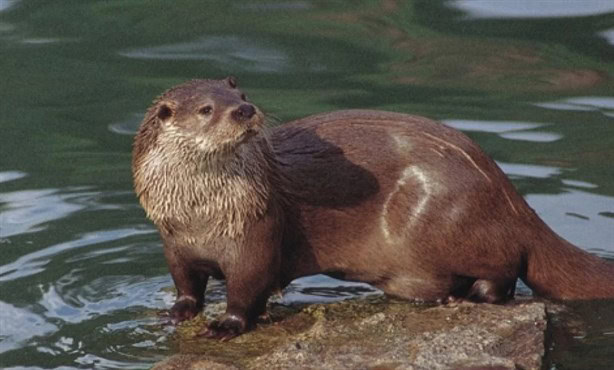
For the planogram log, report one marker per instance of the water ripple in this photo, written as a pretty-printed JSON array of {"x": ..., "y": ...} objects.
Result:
[
  {"x": 128, "y": 126},
  {"x": 511, "y": 130},
  {"x": 19, "y": 325},
  {"x": 231, "y": 52},
  {"x": 529, "y": 170},
  {"x": 603, "y": 104},
  {"x": 103, "y": 296},
  {"x": 5, "y": 4},
  {"x": 286, "y": 5},
  {"x": 579, "y": 217},
  {"x": 322, "y": 288},
  {"x": 6, "y": 176},
  {"x": 32, "y": 263},
  {"x": 27, "y": 211},
  {"x": 532, "y": 8}
]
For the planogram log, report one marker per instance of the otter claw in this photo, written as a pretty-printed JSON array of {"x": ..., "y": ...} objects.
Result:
[
  {"x": 183, "y": 309},
  {"x": 231, "y": 326}
]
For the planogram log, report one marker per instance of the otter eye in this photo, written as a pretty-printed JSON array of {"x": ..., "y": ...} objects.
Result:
[
  {"x": 243, "y": 97},
  {"x": 205, "y": 110}
]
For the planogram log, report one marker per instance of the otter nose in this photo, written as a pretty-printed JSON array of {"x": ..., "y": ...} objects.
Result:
[{"x": 245, "y": 111}]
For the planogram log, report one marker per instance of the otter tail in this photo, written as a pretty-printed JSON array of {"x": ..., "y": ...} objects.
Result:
[{"x": 557, "y": 269}]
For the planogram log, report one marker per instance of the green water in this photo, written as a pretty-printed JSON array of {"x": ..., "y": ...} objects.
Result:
[{"x": 82, "y": 276}]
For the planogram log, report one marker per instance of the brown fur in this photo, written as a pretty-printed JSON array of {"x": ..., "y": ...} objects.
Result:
[{"x": 404, "y": 203}]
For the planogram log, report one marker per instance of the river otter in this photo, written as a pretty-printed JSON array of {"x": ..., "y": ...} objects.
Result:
[{"x": 404, "y": 203}]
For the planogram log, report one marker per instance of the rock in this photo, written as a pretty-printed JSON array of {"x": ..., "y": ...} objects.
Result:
[{"x": 376, "y": 333}]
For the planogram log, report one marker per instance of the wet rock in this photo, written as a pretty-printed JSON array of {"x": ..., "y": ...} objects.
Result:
[{"x": 375, "y": 333}]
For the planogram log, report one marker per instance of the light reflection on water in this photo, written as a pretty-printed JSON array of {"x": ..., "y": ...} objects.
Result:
[
  {"x": 532, "y": 8},
  {"x": 519, "y": 170},
  {"x": 608, "y": 35},
  {"x": 5, "y": 4},
  {"x": 64, "y": 275},
  {"x": 72, "y": 301},
  {"x": 604, "y": 104},
  {"x": 6, "y": 176},
  {"x": 34, "y": 262},
  {"x": 128, "y": 126},
  {"x": 491, "y": 126},
  {"x": 28, "y": 211},
  {"x": 276, "y": 6},
  {"x": 580, "y": 217},
  {"x": 19, "y": 325},
  {"x": 510, "y": 130},
  {"x": 234, "y": 51},
  {"x": 322, "y": 289}
]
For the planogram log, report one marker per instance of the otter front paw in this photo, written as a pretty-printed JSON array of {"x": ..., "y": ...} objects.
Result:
[
  {"x": 225, "y": 329},
  {"x": 185, "y": 308}
]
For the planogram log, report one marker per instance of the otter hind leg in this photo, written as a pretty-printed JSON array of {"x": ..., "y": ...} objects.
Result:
[
  {"x": 420, "y": 289},
  {"x": 438, "y": 288}
]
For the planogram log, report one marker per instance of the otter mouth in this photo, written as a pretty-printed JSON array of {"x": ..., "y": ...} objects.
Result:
[
  {"x": 247, "y": 134},
  {"x": 254, "y": 126}
]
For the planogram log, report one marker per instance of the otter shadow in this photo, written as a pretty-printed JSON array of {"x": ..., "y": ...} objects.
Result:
[
  {"x": 318, "y": 177},
  {"x": 318, "y": 171}
]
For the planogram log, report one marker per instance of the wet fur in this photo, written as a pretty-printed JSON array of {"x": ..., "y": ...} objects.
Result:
[{"x": 402, "y": 202}]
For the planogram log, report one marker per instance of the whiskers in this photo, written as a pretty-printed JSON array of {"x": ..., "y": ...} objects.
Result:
[{"x": 271, "y": 120}]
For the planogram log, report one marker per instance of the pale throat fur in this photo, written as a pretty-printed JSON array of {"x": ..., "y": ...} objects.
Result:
[{"x": 179, "y": 181}]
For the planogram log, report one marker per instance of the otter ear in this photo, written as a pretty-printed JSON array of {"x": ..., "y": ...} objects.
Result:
[
  {"x": 232, "y": 81},
  {"x": 164, "y": 112}
]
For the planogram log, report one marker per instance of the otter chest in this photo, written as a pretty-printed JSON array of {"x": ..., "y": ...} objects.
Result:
[{"x": 211, "y": 204}]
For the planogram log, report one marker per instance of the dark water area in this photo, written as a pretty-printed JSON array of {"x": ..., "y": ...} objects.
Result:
[{"x": 82, "y": 275}]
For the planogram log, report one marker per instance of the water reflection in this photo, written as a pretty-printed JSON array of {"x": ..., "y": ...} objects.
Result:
[
  {"x": 532, "y": 8},
  {"x": 491, "y": 126},
  {"x": 511, "y": 130},
  {"x": 76, "y": 299},
  {"x": 580, "y": 217},
  {"x": 579, "y": 184},
  {"x": 93, "y": 361},
  {"x": 35, "y": 262},
  {"x": 227, "y": 51},
  {"x": 604, "y": 104},
  {"x": 128, "y": 126},
  {"x": 271, "y": 6},
  {"x": 5, "y": 4},
  {"x": 608, "y": 35},
  {"x": 514, "y": 170},
  {"x": 28, "y": 211},
  {"x": 322, "y": 289},
  {"x": 6, "y": 176},
  {"x": 19, "y": 325},
  {"x": 40, "y": 41},
  {"x": 534, "y": 136},
  {"x": 575, "y": 214}
]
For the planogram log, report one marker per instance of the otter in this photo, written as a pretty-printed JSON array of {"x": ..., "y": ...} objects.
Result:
[{"x": 404, "y": 203}]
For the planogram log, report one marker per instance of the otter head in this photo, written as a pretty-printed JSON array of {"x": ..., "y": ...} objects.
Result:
[
  {"x": 207, "y": 116},
  {"x": 194, "y": 155}
]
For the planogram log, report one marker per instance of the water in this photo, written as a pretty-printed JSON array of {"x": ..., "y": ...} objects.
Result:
[{"x": 82, "y": 276}]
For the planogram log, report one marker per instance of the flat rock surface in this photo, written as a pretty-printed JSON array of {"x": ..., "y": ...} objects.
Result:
[{"x": 374, "y": 334}]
